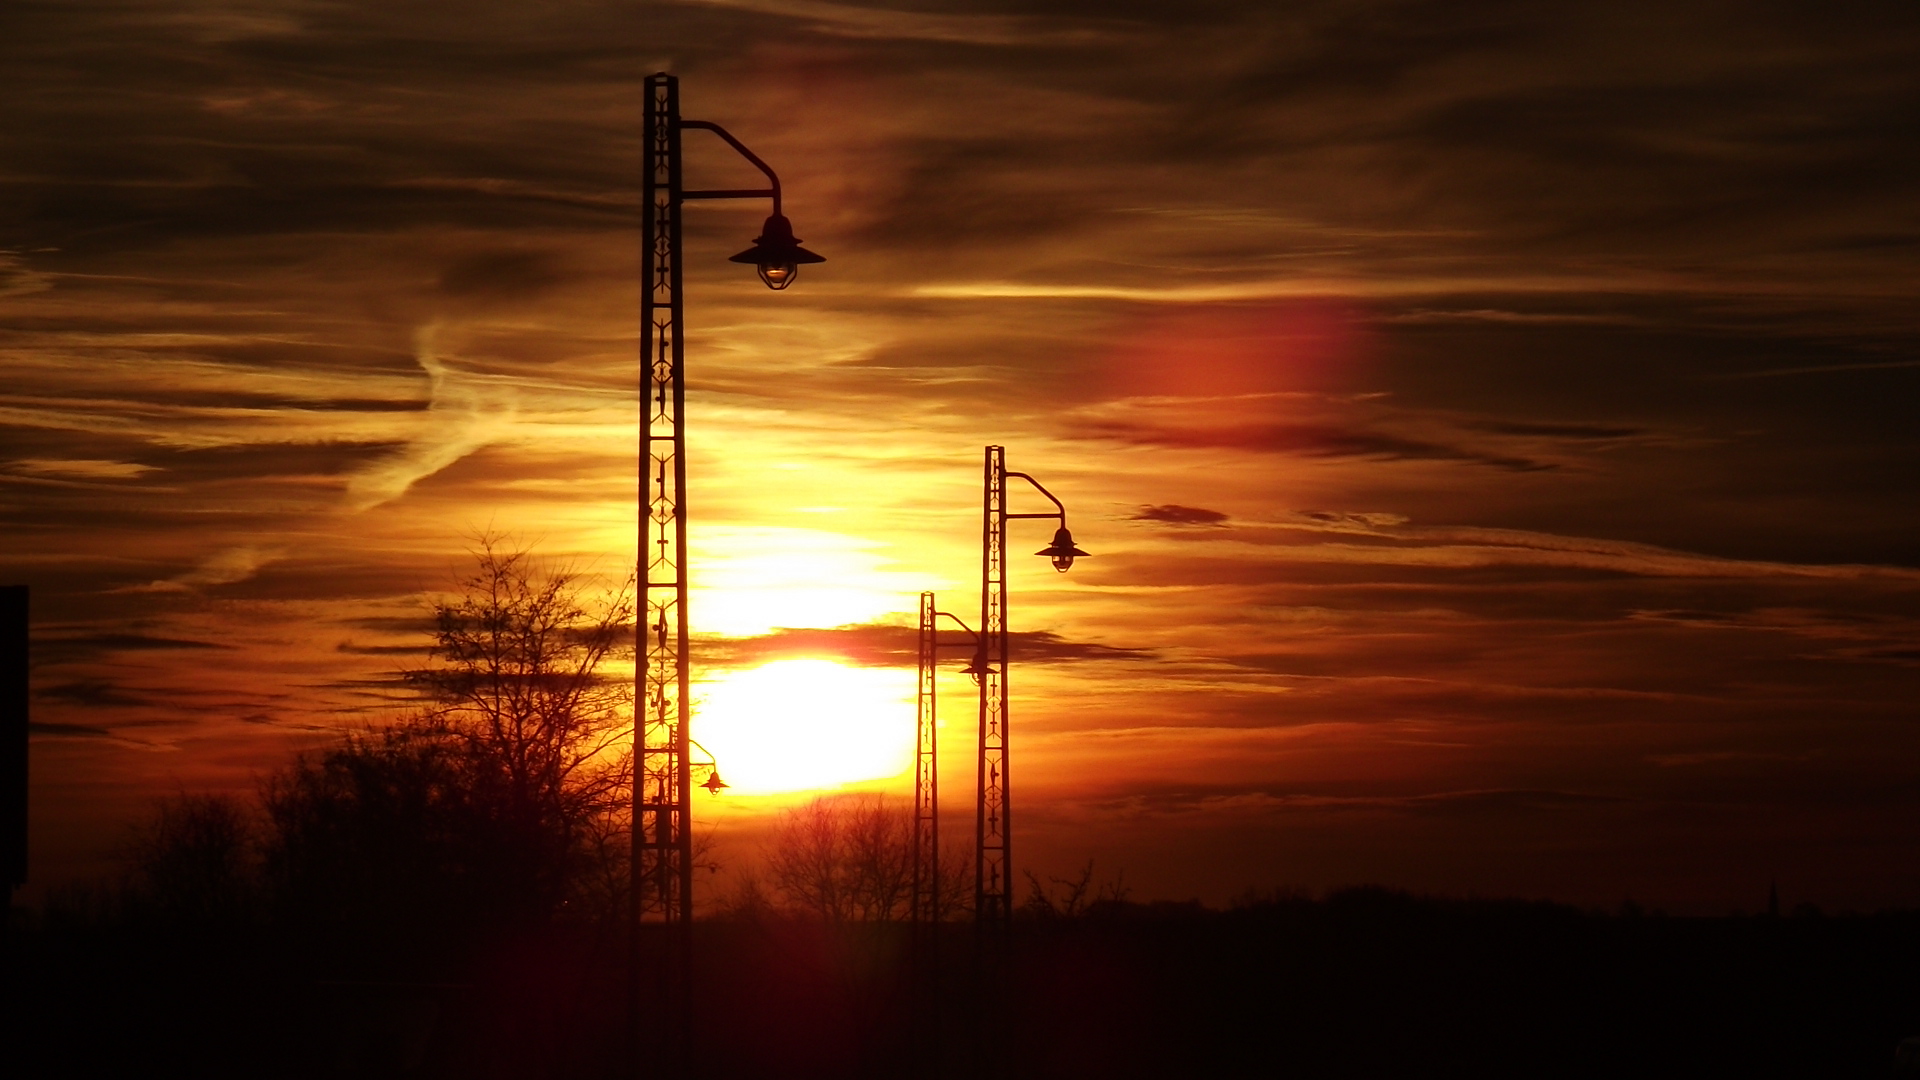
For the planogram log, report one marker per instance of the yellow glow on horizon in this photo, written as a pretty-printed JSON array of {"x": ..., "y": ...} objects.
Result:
[
  {"x": 750, "y": 580},
  {"x": 806, "y": 724}
]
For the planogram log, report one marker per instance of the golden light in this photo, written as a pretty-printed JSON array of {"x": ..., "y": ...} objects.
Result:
[
  {"x": 750, "y": 580},
  {"x": 807, "y": 724}
]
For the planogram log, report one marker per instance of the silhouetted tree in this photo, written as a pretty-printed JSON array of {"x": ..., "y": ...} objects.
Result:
[
  {"x": 844, "y": 858},
  {"x": 954, "y": 898},
  {"x": 502, "y": 799},
  {"x": 195, "y": 861},
  {"x": 1071, "y": 897},
  {"x": 545, "y": 738},
  {"x": 381, "y": 830},
  {"x": 748, "y": 900}
]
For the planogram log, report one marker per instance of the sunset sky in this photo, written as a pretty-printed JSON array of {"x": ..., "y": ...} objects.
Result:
[{"x": 1494, "y": 424}]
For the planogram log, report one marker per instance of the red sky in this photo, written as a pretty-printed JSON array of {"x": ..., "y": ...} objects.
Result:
[{"x": 1493, "y": 424}]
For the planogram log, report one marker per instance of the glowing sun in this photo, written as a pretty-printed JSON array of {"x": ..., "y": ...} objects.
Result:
[{"x": 800, "y": 725}]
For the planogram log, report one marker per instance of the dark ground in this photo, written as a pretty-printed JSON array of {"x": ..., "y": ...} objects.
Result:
[{"x": 1367, "y": 983}]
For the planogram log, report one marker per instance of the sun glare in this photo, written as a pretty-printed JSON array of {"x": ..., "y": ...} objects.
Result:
[
  {"x": 807, "y": 724},
  {"x": 751, "y": 580}
]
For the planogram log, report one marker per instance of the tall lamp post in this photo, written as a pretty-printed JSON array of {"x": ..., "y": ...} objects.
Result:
[
  {"x": 993, "y": 827},
  {"x": 926, "y": 908},
  {"x": 993, "y": 807},
  {"x": 661, "y": 889},
  {"x": 925, "y": 905}
]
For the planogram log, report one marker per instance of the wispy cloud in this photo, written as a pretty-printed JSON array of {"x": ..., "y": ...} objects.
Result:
[
  {"x": 1173, "y": 514},
  {"x": 223, "y": 567},
  {"x": 80, "y": 469},
  {"x": 893, "y": 645},
  {"x": 464, "y": 414},
  {"x": 878, "y": 21}
]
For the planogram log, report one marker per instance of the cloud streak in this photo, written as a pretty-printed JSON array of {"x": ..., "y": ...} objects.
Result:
[{"x": 463, "y": 416}]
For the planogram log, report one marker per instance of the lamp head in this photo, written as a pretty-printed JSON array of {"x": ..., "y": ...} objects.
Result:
[
  {"x": 1062, "y": 550},
  {"x": 777, "y": 253},
  {"x": 979, "y": 667},
  {"x": 713, "y": 783}
]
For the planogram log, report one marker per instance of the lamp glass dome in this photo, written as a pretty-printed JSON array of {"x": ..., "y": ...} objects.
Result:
[
  {"x": 980, "y": 666},
  {"x": 1062, "y": 550},
  {"x": 777, "y": 252}
]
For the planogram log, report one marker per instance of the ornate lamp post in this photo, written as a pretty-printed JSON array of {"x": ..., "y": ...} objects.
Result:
[
  {"x": 993, "y": 828},
  {"x": 925, "y": 909},
  {"x": 993, "y": 808},
  {"x": 660, "y": 994},
  {"x": 925, "y": 906}
]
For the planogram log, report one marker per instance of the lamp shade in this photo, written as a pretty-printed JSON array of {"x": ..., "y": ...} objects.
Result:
[
  {"x": 980, "y": 663},
  {"x": 979, "y": 667},
  {"x": 777, "y": 253},
  {"x": 1061, "y": 550},
  {"x": 713, "y": 783}
]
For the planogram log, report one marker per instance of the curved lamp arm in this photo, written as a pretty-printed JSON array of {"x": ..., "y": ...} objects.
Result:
[
  {"x": 1060, "y": 513},
  {"x": 960, "y": 623},
  {"x": 704, "y": 750},
  {"x": 777, "y": 252},
  {"x": 736, "y": 193},
  {"x": 978, "y": 666},
  {"x": 713, "y": 783},
  {"x": 1062, "y": 550}
]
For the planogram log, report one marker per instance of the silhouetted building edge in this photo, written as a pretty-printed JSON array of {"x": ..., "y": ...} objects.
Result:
[{"x": 13, "y": 726}]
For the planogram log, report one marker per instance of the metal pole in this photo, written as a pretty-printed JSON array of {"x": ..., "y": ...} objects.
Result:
[
  {"x": 993, "y": 831},
  {"x": 925, "y": 913},
  {"x": 992, "y": 826},
  {"x": 660, "y": 986},
  {"x": 662, "y": 871},
  {"x": 993, "y": 821},
  {"x": 925, "y": 907}
]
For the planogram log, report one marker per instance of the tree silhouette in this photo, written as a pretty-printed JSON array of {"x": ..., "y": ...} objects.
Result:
[
  {"x": 545, "y": 738},
  {"x": 381, "y": 832},
  {"x": 501, "y": 800},
  {"x": 1069, "y": 898},
  {"x": 195, "y": 861},
  {"x": 844, "y": 858}
]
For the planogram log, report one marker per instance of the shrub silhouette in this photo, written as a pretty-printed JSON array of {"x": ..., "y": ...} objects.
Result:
[
  {"x": 383, "y": 832},
  {"x": 195, "y": 862}
]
